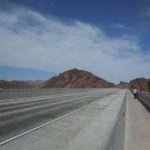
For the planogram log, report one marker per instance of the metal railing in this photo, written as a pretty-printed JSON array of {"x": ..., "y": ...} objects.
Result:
[
  {"x": 144, "y": 97},
  {"x": 145, "y": 93}
]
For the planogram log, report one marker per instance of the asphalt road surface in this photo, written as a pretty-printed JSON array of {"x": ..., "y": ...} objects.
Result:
[{"x": 19, "y": 115}]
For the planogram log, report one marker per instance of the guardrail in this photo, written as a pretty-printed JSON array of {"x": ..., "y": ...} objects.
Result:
[
  {"x": 145, "y": 93},
  {"x": 144, "y": 98}
]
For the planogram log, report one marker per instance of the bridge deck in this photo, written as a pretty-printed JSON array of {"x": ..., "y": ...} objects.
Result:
[{"x": 63, "y": 133}]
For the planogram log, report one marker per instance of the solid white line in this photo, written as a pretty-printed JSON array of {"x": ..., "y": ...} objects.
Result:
[
  {"x": 5, "y": 114},
  {"x": 33, "y": 129},
  {"x": 38, "y": 127},
  {"x": 22, "y": 100}
]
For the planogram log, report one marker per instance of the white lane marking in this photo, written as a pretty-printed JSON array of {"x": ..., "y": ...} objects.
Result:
[
  {"x": 5, "y": 114},
  {"x": 12, "y": 101},
  {"x": 32, "y": 98},
  {"x": 33, "y": 129},
  {"x": 38, "y": 127}
]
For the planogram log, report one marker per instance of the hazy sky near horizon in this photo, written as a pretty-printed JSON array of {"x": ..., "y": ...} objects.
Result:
[{"x": 109, "y": 38}]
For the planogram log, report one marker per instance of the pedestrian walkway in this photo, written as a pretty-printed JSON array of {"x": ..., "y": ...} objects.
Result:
[{"x": 137, "y": 131}]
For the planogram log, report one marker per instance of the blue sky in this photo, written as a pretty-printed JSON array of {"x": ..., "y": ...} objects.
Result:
[
  {"x": 17, "y": 73},
  {"x": 107, "y": 37}
]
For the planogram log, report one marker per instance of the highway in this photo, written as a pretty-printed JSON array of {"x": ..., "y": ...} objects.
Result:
[{"x": 20, "y": 115}]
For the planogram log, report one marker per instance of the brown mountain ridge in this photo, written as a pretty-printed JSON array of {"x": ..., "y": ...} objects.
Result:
[
  {"x": 15, "y": 84},
  {"x": 140, "y": 83},
  {"x": 77, "y": 79}
]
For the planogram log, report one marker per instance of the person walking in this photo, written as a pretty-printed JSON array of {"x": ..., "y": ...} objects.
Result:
[{"x": 135, "y": 92}]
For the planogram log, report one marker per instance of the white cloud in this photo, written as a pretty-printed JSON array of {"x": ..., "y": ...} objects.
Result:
[{"x": 31, "y": 40}]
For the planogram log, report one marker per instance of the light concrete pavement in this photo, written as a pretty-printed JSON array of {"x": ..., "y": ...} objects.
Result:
[
  {"x": 63, "y": 133},
  {"x": 20, "y": 115},
  {"x": 137, "y": 132}
]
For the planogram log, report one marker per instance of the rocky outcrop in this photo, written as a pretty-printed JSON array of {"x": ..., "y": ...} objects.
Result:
[
  {"x": 140, "y": 83},
  {"x": 122, "y": 85},
  {"x": 77, "y": 79},
  {"x": 15, "y": 84}
]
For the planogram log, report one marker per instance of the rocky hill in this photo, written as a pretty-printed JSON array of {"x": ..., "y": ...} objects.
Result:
[
  {"x": 15, "y": 84},
  {"x": 77, "y": 79},
  {"x": 122, "y": 85},
  {"x": 35, "y": 83},
  {"x": 140, "y": 83}
]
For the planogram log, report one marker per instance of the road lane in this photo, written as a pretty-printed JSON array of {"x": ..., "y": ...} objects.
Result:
[
  {"x": 19, "y": 104},
  {"x": 20, "y": 116}
]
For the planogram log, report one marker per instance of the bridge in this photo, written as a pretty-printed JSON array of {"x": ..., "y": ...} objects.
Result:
[{"x": 74, "y": 119}]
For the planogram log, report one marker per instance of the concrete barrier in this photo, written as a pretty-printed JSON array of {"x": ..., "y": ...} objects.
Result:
[{"x": 106, "y": 132}]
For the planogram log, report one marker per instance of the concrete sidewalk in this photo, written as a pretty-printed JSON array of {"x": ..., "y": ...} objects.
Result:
[{"x": 137, "y": 131}]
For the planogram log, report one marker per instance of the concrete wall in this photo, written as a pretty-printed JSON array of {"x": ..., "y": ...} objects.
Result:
[
  {"x": 116, "y": 141},
  {"x": 106, "y": 132}
]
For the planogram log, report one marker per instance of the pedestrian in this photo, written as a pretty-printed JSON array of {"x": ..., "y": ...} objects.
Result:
[{"x": 135, "y": 92}]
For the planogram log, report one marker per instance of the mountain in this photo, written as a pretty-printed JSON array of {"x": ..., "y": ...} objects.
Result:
[
  {"x": 15, "y": 84},
  {"x": 77, "y": 79},
  {"x": 122, "y": 85},
  {"x": 140, "y": 83},
  {"x": 35, "y": 83}
]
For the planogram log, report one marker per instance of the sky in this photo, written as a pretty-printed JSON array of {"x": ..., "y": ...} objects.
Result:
[
  {"x": 17, "y": 73},
  {"x": 41, "y": 38}
]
